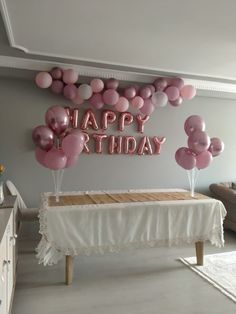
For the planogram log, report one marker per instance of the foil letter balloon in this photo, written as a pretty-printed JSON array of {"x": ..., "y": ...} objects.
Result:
[
  {"x": 98, "y": 142},
  {"x": 125, "y": 118},
  {"x": 108, "y": 116},
  {"x": 89, "y": 120},
  {"x": 129, "y": 145},
  {"x": 141, "y": 121},
  {"x": 73, "y": 114},
  {"x": 86, "y": 140},
  {"x": 145, "y": 146},
  {"x": 115, "y": 144},
  {"x": 158, "y": 141}
]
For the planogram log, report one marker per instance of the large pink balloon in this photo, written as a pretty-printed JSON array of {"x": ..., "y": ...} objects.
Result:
[
  {"x": 110, "y": 97},
  {"x": 145, "y": 92},
  {"x": 57, "y": 119},
  {"x": 43, "y": 137},
  {"x": 97, "y": 85},
  {"x": 70, "y": 91},
  {"x": 57, "y": 87},
  {"x": 79, "y": 134},
  {"x": 56, "y": 73},
  {"x": 203, "y": 160},
  {"x": 137, "y": 102},
  {"x": 185, "y": 158},
  {"x": 130, "y": 92},
  {"x": 188, "y": 92},
  {"x": 40, "y": 156},
  {"x": 177, "y": 102},
  {"x": 177, "y": 82},
  {"x": 172, "y": 93},
  {"x": 43, "y": 80},
  {"x": 194, "y": 123},
  {"x": 216, "y": 146},
  {"x": 96, "y": 101},
  {"x": 71, "y": 161},
  {"x": 112, "y": 83},
  {"x": 72, "y": 145},
  {"x": 147, "y": 107},
  {"x": 122, "y": 105},
  {"x": 160, "y": 84},
  {"x": 70, "y": 76},
  {"x": 198, "y": 141},
  {"x": 55, "y": 159}
]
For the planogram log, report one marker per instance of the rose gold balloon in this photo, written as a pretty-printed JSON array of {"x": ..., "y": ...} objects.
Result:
[
  {"x": 98, "y": 142},
  {"x": 141, "y": 120},
  {"x": 129, "y": 145},
  {"x": 108, "y": 117},
  {"x": 145, "y": 146},
  {"x": 89, "y": 120},
  {"x": 115, "y": 143},
  {"x": 158, "y": 141},
  {"x": 73, "y": 114},
  {"x": 125, "y": 118},
  {"x": 86, "y": 140}
]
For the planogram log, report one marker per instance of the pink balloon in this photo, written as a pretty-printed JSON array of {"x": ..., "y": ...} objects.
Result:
[
  {"x": 43, "y": 80},
  {"x": 188, "y": 92},
  {"x": 122, "y": 105},
  {"x": 71, "y": 161},
  {"x": 203, "y": 160},
  {"x": 55, "y": 159},
  {"x": 193, "y": 123},
  {"x": 57, "y": 87},
  {"x": 216, "y": 146},
  {"x": 177, "y": 82},
  {"x": 147, "y": 107},
  {"x": 160, "y": 84},
  {"x": 56, "y": 73},
  {"x": 145, "y": 92},
  {"x": 172, "y": 93},
  {"x": 78, "y": 100},
  {"x": 79, "y": 134},
  {"x": 177, "y": 102},
  {"x": 198, "y": 141},
  {"x": 110, "y": 97},
  {"x": 112, "y": 83},
  {"x": 72, "y": 145},
  {"x": 96, "y": 101},
  {"x": 70, "y": 76},
  {"x": 57, "y": 119},
  {"x": 70, "y": 91},
  {"x": 40, "y": 156},
  {"x": 130, "y": 92},
  {"x": 185, "y": 158},
  {"x": 137, "y": 102},
  {"x": 97, "y": 85},
  {"x": 43, "y": 137},
  {"x": 152, "y": 88}
]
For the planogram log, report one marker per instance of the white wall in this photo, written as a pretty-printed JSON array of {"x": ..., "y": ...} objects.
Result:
[{"x": 22, "y": 107}]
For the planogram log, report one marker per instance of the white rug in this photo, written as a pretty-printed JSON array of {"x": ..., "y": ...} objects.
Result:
[{"x": 219, "y": 270}]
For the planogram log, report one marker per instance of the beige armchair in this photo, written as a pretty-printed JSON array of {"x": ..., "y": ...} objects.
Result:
[{"x": 226, "y": 192}]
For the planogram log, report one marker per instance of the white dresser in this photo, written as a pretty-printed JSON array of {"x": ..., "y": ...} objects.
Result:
[{"x": 8, "y": 224}]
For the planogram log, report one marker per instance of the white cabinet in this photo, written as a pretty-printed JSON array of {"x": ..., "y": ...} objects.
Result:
[{"x": 7, "y": 259}]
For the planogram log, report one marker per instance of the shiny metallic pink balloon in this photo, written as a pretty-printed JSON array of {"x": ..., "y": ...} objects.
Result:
[
  {"x": 177, "y": 102},
  {"x": 71, "y": 161},
  {"x": 193, "y": 123},
  {"x": 198, "y": 141},
  {"x": 177, "y": 82},
  {"x": 130, "y": 92},
  {"x": 203, "y": 160},
  {"x": 57, "y": 119},
  {"x": 55, "y": 159},
  {"x": 160, "y": 84},
  {"x": 43, "y": 137},
  {"x": 72, "y": 144},
  {"x": 216, "y": 146},
  {"x": 147, "y": 107},
  {"x": 185, "y": 158},
  {"x": 145, "y": 92},
  {"x": 40, "y": 156}
]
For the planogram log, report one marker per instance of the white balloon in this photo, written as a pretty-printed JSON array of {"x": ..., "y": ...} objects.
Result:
[
  {"x": 85, "y": 91},
  {"x": 159, "y": 99}
]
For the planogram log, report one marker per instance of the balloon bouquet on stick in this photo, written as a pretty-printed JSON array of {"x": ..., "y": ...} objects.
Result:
[
  {"x": 200, "y": 151},
  {"x": 57, "y": 146}
]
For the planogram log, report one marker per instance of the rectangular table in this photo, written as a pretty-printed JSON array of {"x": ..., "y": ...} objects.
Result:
[{"x": 110, "y": 221}]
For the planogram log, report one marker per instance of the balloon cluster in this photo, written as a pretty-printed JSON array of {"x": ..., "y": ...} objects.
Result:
[
  {"x": 201, "y": 148},
  {"x": 145, "y": 98},
  {"x": 57, "y": 146}
]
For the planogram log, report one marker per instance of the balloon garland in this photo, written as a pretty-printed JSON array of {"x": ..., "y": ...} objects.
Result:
[
  {"x": 200, "y": 151},
  {"x": 145, "y": 99}
]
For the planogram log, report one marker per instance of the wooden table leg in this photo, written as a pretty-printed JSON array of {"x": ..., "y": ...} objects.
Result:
[
  {"x": 199, "y": 252},
  {"x": 69, "y": 269}
]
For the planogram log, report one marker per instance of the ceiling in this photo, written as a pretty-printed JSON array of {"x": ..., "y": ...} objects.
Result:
[{"x": 185, "y": 37}]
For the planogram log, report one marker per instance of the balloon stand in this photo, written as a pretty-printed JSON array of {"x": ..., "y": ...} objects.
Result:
[
  {"x": 57, "y": 180},
  {"x": 192, "y": 178}
]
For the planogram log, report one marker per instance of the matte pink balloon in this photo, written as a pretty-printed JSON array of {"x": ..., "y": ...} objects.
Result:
[
  {"x": 72, "y": 145},
  {"x": 55, "y": 159},
  {"x": 96, "y": 101},
  {"x": 198, "y": 141},
  {"x": 188, "y": 92},
  {"x": 43, "y": 80},
  {"x": 57, "y": 87},
  {"x": 130, "y": 92},
  {"x": 145, "y": 92},
  {"x": 79, "y": 134},
  {"x": 78, "y": 100},
  {"x": 216, "y": 146},
  {"x": 71, "y": 161},
  {"x": 203, "y": 160},
  {"x": 70, "y": 76},
  {"x": 56, "y": 73},
  {"x": 160, "y": 84},
  {"x": 159, "y": 99},
  {"x": 112, "y": 83},
  {"x": 70, "y": 91},
  {"x": 172, "y": 93},
  {"x": 177, "y": 82},
  {"x": 147, "y": 107},
  {"x": 40, "y": 156},
  {"x": 177, "y": 102},
  {"x": 122, "y": 105},
  {"x": 152, "y": 88},
  {"x": 137, "y": 102},
  {"x": 110, "y": 97},
  {"x": 57, "y": 119},
  {"x": 97, "y": 85},
  {"x": 185, "y": 158},
  {"x": 43, "y": 137},
  {"x": 193, "y": 123}
]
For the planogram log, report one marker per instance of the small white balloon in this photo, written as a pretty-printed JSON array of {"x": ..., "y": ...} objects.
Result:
[
  {"x": 159, "y": 99},
  {"x": 85, "y": 91}
]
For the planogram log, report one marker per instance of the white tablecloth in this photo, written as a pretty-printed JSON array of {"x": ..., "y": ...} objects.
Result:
[{"x": 87, "y": 229}]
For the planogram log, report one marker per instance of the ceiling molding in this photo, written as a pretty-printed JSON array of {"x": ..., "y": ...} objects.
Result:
[{"x": 207, "y": 88}]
